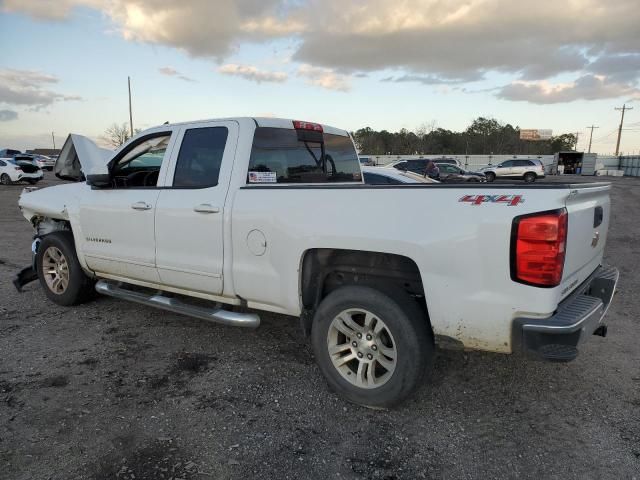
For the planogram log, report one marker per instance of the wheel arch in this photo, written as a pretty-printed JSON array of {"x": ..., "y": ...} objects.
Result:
[{"x": 323, "y": 270}]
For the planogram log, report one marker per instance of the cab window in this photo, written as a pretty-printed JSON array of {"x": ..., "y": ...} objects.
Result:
[
  {"x": 200, "y": 157},
  {"x": 278, "y": 155},
  {"x": 140, "y": 165}
]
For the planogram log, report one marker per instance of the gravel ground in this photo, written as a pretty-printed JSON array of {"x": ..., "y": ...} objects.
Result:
[{"x": 116, "y": 390}]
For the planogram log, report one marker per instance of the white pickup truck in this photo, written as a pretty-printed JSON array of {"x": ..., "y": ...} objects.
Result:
[{"x": 272, "y": 214}]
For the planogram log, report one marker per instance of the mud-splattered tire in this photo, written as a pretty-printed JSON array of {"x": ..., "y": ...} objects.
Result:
[
  {"x": 490, "y": 177},
  {"x": 373, "y": 345},
  {"x": 5, "y": 179},
  {"x": 59, "y": 271}
]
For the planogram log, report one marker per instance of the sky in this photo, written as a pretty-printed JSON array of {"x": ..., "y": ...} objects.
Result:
[{"x": 560, "y": 65}]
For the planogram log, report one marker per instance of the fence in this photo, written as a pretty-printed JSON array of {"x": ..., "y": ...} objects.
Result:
[
  {"x": 470, "y": 162},
  {"x": 630, "y": 165}
]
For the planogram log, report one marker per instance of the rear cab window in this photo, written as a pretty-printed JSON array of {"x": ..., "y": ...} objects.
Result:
[{"x": 281, "y": 155}]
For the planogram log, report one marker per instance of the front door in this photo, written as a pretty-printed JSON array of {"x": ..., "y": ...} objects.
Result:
[
  {"x": 117, "y": 223},
  {"x": 505, "y": 169},
  {"x": 190, "y": 209}
]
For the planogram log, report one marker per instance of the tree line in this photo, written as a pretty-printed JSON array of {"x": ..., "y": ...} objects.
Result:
[{"x": 485, "y": 136}]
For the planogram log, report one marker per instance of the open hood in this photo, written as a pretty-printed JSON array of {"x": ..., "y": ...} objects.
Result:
[{"x": 80, "y": 157}]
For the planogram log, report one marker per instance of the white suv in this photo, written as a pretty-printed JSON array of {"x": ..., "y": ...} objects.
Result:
[{"x": 528, "y": 169}]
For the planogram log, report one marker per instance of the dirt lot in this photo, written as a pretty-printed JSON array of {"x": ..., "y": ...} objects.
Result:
[{"x": 117, "y": 390}]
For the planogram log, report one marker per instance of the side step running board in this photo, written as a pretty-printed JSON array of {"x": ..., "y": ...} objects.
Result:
[{"x": 216, "y": 314}]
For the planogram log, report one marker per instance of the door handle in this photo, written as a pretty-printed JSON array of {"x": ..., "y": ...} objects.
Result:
[
  {"x": 205, "y": 208},
  {"x": 141, "y": 206}
]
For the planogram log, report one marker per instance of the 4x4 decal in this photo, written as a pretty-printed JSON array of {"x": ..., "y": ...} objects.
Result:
[{"x": 511, "y": 200}]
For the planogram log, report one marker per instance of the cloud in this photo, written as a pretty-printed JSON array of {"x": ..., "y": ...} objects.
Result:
[
  {"x": 434, "y": 42},
  {"x": 587, "y": 87},
  {"x": 428, "y": 79},
  {"x": 8, "y": 115},
  {"x": 324, "y": 78},
  {"x": 47, "y": 10},
  {"x": 625, "y": 67},
  {"x": 249, "y": 72},
  {"x": 170, "y": 72},
  {"x": 27, "y": 87}
]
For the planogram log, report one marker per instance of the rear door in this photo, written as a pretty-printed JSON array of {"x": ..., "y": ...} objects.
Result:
[
  {"x": 190, "y": 209},
  {"x": 520, "y": 167}
]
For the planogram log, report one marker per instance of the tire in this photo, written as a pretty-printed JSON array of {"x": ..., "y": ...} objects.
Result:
[
  {"x": 403, "y": 333},
  {"x": 32, "y": 181},
  {"x": 490, "y": 176},
  {"x": 5, "y": 179},
  {"x": 529, "y": 177},
  {"x": 57, "y": 252}
]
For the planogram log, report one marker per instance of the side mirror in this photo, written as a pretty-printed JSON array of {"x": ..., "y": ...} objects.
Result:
[
  {"x": 500, "y": 166},
  {"x": 99, "y": 181}
]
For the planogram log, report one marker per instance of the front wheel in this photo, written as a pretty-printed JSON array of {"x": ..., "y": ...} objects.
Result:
[
  {"x": 490, "y": 176},
  {"x": 5, "y": 179},
  {"x": 529, "y": 177},
  {"x": 372, "y": 345},
  {"x": 59, "y": 271}
]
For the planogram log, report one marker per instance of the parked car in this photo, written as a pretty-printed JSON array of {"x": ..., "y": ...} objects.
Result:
[
  {"x": 272, "y": 215},
  {"x": 42, "y": 161},
  {"x": 419, "y": 165},
  {"x": 454, "y": 174},
  {"x": 9, "y": 153},
  {"x": 12, "y": 171},
  {"x": 391, "y": 176},
  {"x": 527, "y": 169}
]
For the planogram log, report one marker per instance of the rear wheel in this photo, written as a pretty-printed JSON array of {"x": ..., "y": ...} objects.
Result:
[
  {"x": 59, "y": 271},
  {"x": 490, "y": 176},
  {"x": 5, "y": 179},
  {"x": 372, "y": 345},
  {"x": 529, "y": 177}
]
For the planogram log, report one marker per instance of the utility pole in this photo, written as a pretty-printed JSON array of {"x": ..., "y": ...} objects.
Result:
[
  {"x": 624, "y": 107},
  {"x": 575, "y": 148},
  {"x": 54, "y": 140},
  {"x": 591, "y": 136},
  {"x": 130, "y": 114}
]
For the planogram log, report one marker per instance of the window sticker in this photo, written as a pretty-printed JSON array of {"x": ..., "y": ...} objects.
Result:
[{"x": 263, "y": 177}]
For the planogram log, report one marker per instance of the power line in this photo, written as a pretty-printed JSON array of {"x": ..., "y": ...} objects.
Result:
[
  {"x": 606, "y": 135},
  {"x": 624, "y": 107},
  {"x": 591, "y": 137}
]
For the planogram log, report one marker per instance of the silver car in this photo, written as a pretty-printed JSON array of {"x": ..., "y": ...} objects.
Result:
[{"x": 528, "y": 169}]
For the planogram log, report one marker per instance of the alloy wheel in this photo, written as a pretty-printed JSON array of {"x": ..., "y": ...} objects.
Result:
[
  {"x": 362, "y": 348},
  {"x": 55, "y": 270}
]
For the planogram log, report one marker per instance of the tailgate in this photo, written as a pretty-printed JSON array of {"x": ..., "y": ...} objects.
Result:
[{"x": 588, "y": 207}]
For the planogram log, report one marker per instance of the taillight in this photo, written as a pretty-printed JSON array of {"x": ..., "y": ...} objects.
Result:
[
  {"x": 300, "y": 125},
  {"x": 538, "y": 245}
]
